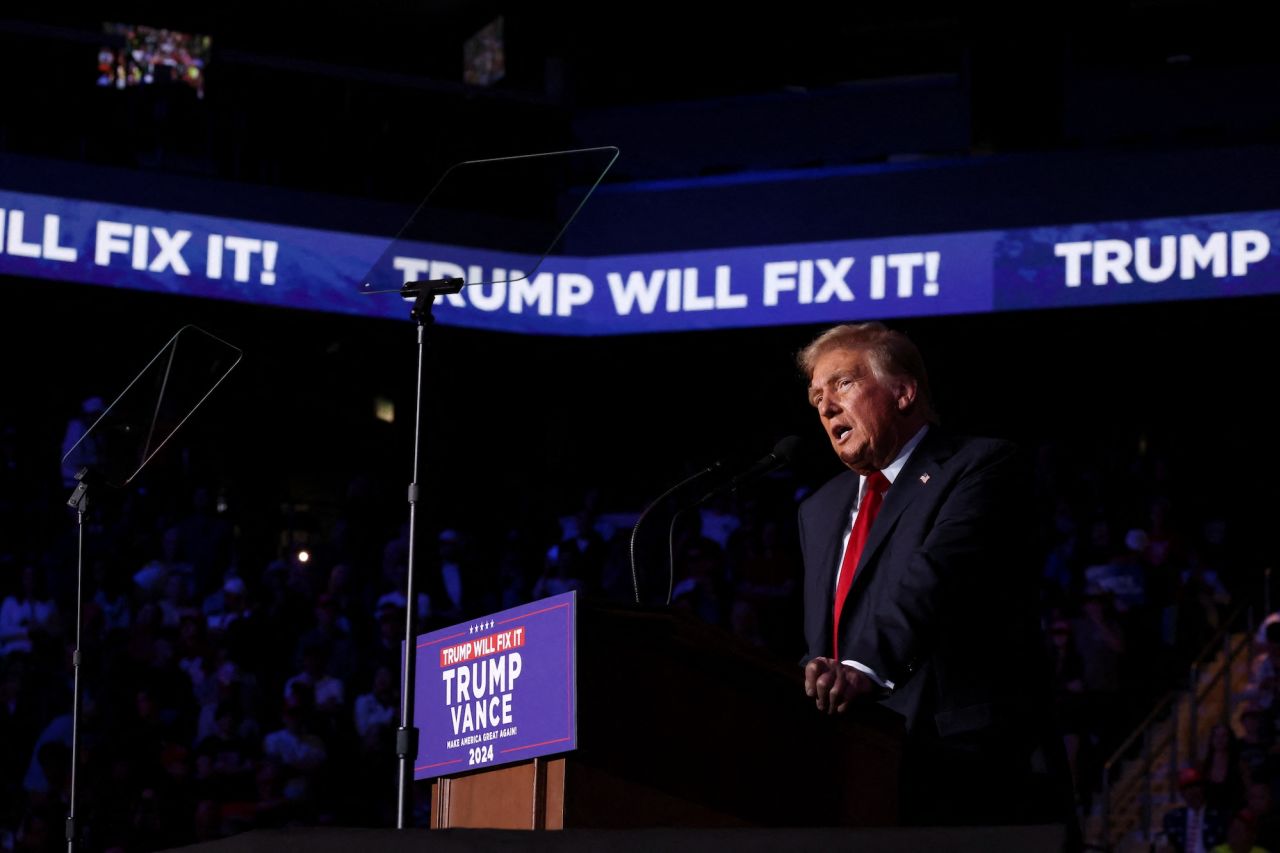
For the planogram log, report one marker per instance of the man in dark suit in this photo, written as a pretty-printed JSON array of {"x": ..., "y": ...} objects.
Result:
[{"x": 919, "y": 590}]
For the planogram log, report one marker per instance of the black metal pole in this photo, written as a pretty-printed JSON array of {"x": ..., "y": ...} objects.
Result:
[
  {"x": 407, "y": 735},
  {"x": 79, "y": 502},
  {"x": 423, "y": 293}
]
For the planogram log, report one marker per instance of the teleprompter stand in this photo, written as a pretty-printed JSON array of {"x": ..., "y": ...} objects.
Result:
[
  {"x": 124, "y": 438},
  {"x": 424, "y": 294},
  {"x": 79, "y": 501},
  {"x": 485, "y": 222}
]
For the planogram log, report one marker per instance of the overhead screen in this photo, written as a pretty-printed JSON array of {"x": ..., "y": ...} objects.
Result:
[
  {"x": 1101, "y": 263},
  {"x": 146, "y": 56}
]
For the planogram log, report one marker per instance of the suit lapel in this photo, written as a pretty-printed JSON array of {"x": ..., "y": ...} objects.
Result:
[
  {"x": 835, "y": 518},
  {"x": 913, "y": 480}
]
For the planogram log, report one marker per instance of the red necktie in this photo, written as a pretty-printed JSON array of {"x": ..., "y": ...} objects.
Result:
[{"x": 877, "y": 485}]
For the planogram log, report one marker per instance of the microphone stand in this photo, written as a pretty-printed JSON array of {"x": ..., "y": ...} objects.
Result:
[
  {"x": 781, "y": 454},
  {"x": 424, "y": 294},
  {"x": 732, "y": 485},
  {"x": 685, "y": 484}
]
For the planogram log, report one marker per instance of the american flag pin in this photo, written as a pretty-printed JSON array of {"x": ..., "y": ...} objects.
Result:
[{"x": 924, "y": 478}]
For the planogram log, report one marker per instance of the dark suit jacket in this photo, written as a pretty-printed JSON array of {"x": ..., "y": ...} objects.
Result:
[
  {"x": 944, "y": 606},
  {"x": 943, "y": 603}
]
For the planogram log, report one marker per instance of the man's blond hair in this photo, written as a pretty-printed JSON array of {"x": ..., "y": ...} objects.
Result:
[{"x": 891, "y": 353}]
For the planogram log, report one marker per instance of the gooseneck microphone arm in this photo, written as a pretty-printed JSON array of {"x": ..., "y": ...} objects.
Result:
[
  {"x": 781, "y": 455},
  {"x": 686, "y": 484},
  {"x": 703, "y": 485}
]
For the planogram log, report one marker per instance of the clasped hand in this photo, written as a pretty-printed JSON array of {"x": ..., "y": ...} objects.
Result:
[{"x": 833, "y": 685}]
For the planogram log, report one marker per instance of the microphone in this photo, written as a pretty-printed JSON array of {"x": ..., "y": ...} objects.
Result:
[
  {"x": 694, "y": 484},
  {"x": 781, "y": 455},
  {"x": 695, "y": 490}
]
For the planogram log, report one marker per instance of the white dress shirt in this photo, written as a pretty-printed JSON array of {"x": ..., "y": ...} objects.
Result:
[
  {"x": 1195, "y": 830},
  {"x": 890, "y": 472}
]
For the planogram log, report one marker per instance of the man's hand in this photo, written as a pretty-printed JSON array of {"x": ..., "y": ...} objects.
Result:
[{"x": 834, "y": 685}]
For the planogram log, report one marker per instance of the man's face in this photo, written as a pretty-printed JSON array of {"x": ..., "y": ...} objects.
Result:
[{"x": 859, "y": 412}]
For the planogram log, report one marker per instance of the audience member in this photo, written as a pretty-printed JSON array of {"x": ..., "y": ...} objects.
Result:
[
  {"x": 1195, "y": 826},
  {"x": 1221, "y": 769},
  {"x": 26, "y": 614},
  {"x": 1242, "y": 832}
]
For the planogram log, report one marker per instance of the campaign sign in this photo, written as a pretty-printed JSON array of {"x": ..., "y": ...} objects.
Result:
[{"x": 497, "y": 689}]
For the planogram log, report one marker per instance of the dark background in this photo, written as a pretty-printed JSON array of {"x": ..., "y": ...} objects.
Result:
[{"x": 799, "y": 125}]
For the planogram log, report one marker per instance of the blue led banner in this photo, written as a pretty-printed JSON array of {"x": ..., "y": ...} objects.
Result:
[{"x": 1106, "y": 263}]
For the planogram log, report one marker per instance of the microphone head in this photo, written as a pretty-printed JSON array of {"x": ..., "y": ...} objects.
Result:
[{"x": 787, "y": 447}]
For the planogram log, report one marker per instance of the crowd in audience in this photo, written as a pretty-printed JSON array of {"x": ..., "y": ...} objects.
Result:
[
  {"x": 228, "y": 686},
  {"x": 1229, "y": 797}
]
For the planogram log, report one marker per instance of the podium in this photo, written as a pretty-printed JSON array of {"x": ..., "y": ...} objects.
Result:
[{"x": 682, "y": 725}]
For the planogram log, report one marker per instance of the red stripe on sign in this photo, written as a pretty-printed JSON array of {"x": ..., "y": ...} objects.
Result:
[
  {"x": 441, "y": 640},
  {"x": 534, "y": 613},
  {"x": 532, "y": 745}
]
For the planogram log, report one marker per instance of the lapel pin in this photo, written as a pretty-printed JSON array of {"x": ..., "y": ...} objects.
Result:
[{"x": 924, "y": 478}]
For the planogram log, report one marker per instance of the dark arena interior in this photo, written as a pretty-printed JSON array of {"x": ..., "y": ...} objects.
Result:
[{"x": 1075, "y": 217}]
